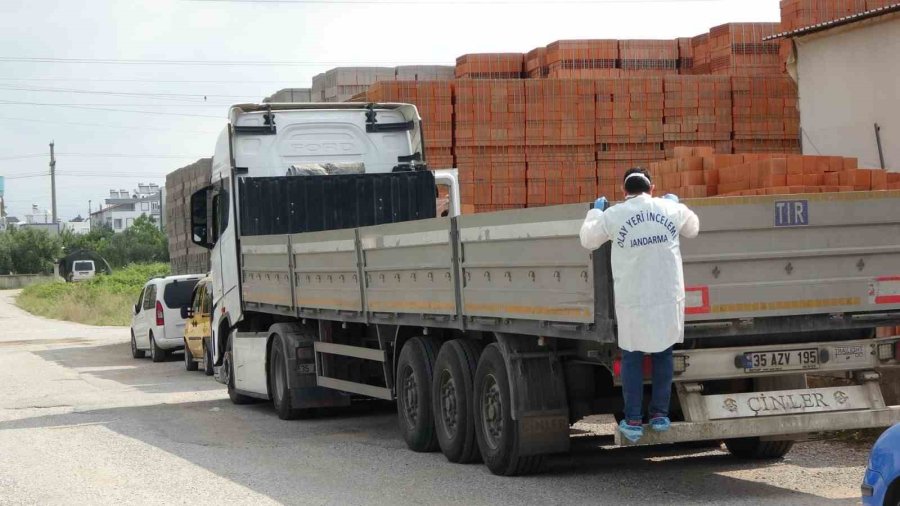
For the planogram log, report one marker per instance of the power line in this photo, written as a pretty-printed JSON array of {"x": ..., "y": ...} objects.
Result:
[
  {"x": 255, "y": 63},
  {"x": 17, "y": 157},
  {"x": 169, "y": 96},
  {"x": 110, "y": 125},
  {"x": 144, "y": 81},
  {"x": 458, "y": 2},
  {"x": 71, "y": 106},
  {"x": 105, "y": 155}
]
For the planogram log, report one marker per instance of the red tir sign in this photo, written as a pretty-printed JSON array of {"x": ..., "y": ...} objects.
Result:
[{"x": 696, "y": 300}]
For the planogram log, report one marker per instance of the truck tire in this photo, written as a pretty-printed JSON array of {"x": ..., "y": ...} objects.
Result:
[
  {"x": 135, "y": 352},
  {"x": 189, "y": 363},
  {"x": 208, "y": 368},
  {"x": 756, "y": 449},
  {"x": 278, "y": 383},
  {"x": 228, "y": 365},
  {"x": 415, "y": 369},
  {"x": 157, "y": 354},
  {"x": 496, "y": 432},
  {"x": 451, "y": 395}
]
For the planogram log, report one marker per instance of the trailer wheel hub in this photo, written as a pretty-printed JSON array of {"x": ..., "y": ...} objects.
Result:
[
  {"x": 448, "y": 404},
  {"x": 492, "y": 411},
  {"x": 410, "y": 398}
]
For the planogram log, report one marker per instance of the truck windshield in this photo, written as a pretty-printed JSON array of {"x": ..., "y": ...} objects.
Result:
[
  {"x": 83, "y": 266},
  {"x": 178, "y": 293}
]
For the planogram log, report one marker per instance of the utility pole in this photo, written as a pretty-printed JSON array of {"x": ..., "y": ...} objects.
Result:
[
  {"x": 89, "y": 220},
  {"x": 53, "y": 182}
]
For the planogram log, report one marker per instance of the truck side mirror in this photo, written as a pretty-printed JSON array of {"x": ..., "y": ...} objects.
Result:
[
  {"x": 200, "y": 218},
  {"x": 136, "y": 309}
]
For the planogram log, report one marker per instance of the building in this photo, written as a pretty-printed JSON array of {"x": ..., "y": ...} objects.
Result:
[
  {"x": 122, "y": 207},
  {"x": 78, "y": 226},
  {"x": 38, "y": 216},
  {"x": 845, "y": 67},
  {"x": 8, "y": 222}
]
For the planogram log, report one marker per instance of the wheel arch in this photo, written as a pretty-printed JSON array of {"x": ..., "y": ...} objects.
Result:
[{"x": 222, "y": 335}]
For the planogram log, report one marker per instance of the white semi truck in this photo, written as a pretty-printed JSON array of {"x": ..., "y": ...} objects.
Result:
[{"x": 336, "y": 280}]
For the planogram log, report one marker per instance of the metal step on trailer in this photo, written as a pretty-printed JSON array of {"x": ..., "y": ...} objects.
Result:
[
  {"x": 774, "y": 414},
  {"x": 358, "y": 352},
  {"x": 718, "y": 430}
]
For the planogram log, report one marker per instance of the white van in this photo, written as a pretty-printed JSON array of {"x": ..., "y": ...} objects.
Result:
[
  {"x": 157, "y": 325},
  {"x": 82, "y": 270}
]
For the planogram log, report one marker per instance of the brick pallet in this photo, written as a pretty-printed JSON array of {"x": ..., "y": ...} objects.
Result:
[
  {"x": 697, "y": 109},
  {"x": 184, "y": 256},
  {"x": 700, "y": 172},
  {"x": 434, "y": 100},
  {"x": 490, "y": 66},
  {"x": 739, "y": 49},
  {"x": 796, "y": 14},
  {"x": 583, "y": 59},
  {"x": 648, "y": 57}
]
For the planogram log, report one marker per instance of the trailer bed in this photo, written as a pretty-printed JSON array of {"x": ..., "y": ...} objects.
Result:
[{"x": 760, "y": 265}]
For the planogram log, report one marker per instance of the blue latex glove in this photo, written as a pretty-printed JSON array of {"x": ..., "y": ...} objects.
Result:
[
  {"x": 672, "y": 197},
  {"x": 601, "y": 204}
]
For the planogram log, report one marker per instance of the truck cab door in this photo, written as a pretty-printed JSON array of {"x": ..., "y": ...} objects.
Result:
[{"x": 223, "y": 261}]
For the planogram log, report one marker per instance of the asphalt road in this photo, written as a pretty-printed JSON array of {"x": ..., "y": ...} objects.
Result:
[{"x": 81, "y": 422}]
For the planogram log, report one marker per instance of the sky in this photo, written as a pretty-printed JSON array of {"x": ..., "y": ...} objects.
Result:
[{"x": 130, "y": 90}]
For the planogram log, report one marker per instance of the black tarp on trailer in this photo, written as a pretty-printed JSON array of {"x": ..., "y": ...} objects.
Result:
[{"x": 297, "y": 204}]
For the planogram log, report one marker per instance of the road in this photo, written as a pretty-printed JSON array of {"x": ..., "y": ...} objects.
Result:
[{"x": 82, "y": 422}]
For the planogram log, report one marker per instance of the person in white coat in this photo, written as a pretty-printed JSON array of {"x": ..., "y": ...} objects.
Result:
[{"x": 648, "y": 280}]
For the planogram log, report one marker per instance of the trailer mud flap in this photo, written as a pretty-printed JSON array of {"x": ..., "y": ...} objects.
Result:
[{"x": 538, "y": 395}]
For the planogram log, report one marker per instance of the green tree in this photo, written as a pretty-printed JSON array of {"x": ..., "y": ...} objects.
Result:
[
  {"x": 143, "y": 242},
  {"x": 31, "y": 251}
]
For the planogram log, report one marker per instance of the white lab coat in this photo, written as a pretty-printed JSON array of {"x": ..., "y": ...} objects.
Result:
[{"x": 646, "y": 265}]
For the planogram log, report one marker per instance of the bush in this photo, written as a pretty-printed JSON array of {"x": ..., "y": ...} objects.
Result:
[
  {"x": 103, "y": 300},
  {"x": 143, "y": 242},
  {"x": 28, "y": 251}
]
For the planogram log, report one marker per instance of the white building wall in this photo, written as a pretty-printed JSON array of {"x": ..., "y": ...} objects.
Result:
[
  {"x": 78, "y": 227},
  {"x": 849, "y": 80}
]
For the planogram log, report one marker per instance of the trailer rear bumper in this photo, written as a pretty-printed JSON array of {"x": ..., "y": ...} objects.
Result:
[{"x": 786, "y": 425}]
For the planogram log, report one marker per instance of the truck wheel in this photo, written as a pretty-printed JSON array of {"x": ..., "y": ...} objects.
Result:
[
  {"x": 497, "y": 433},
  {"x": 415, "y": 369},
  {"x": 157, "y": 354},
  {"x": 208, "y": 368},
  {"x": 754, "y": 448},
  {"x": 278, "y": 384},
  {"x": 228, "y": 366},
  {"x": 451, "y": 395},
  {"x": 135, "y": 352},
  {"x": 189, "y": 363}
]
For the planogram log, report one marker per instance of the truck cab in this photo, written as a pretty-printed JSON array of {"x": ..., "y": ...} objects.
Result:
[{"x": 279, "y": 140}]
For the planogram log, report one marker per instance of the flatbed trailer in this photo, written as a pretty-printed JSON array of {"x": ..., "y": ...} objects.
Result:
[{"x": 496, "y": 332}]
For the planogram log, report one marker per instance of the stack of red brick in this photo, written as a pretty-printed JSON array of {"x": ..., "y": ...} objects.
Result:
[
  {"x": 629, "y": 127},
  {"x": 648, "y": 57},
  {"x": 489, "y": 124},
  {"x": 490, "y": 66},
  {"x": 765, "y": 114},
  {"x": 434, "y": 100},
  {"x": 740, "y": 49},
  {"x": 696, "y": 172},
  {"x": 582, "y": 59},
  {"x": 698, "y": 111},
  {"x": 797, "y": 14},
  {"x": 559, "y": 139}
]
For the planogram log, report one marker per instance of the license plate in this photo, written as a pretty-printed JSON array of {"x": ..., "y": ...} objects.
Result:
[{"x": 782, "y": 360}]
